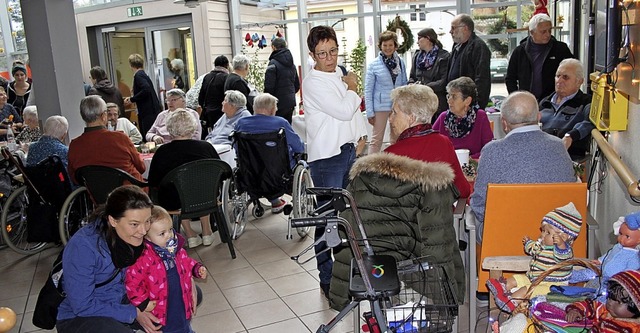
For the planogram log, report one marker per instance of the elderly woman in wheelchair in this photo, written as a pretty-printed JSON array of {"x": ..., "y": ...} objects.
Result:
[{"x": 258, "y": 139}]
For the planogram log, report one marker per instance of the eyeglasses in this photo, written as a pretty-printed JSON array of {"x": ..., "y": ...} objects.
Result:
[
  {"x": 322, "y": 55},
  {"x": 453, "y": 96},
  {"x": 173, "y": 99},
  {"x": 454, "y": 27}
]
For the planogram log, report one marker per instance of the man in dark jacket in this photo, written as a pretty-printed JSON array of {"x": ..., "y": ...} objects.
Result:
[
  {"x": 470, "y": 57},
  {"x": 105, "y": 89},
  {"x": 536, "y": 59},
  {"x": 281, "y": 78},
  {"x": 144, "y": 95},
  {"x": 212, "y": 93}
]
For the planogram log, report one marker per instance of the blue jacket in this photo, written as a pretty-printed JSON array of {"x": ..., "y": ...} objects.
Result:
[
  {"x": 86, "y": 262},
  {"x": 378, "y": 85}
]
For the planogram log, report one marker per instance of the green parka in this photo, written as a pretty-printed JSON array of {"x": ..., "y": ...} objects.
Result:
[{"x": 406, "y": 207}]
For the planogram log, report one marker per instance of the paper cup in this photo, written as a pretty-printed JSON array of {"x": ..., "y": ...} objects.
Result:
[{"x": 463, "y": 156}]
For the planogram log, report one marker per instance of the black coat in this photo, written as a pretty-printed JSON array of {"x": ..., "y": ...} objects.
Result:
[
  {"x": 519, "y": 71},
  {"x": 211, "y": 96},
  {"x": 236, "y": 82},
  {"x": 475, "y": 59},
  {"x": 281, "y": 79},
  {"x": 145, "y": 96},
  {"x": 434, "y": 77},
  {"x": 109, "y": 93}
]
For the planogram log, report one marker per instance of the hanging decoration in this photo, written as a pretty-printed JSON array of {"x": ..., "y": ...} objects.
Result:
[{"x": 399, "y": 24}]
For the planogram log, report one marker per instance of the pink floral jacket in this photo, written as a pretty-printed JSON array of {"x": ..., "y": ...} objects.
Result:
[{"x": 147, "y": 280}]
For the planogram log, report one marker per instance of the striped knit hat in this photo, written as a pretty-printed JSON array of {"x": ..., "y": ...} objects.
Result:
[
  {"x": 630, "y": 281},
  {"x": 566, "y": 218}
]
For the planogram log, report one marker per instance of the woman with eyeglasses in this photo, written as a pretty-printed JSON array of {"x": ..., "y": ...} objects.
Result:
[
  {"x": 464, "y": 123},
  {"x": 429, "y": 66},
  {"x": 334, "y": 124},
  {"x": 386, "y": 72}
]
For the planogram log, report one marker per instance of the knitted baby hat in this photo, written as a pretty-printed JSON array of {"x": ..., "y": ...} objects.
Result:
[
  {"x": 630, "y": 281},
  {"x": 566, "y": 218}
]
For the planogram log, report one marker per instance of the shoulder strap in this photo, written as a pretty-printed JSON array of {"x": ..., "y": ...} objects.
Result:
[
  {"x": 344, "y": 70},
  {"x": 113, "y": 276}
]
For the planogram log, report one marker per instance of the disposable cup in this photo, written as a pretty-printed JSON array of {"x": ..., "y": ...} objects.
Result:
[{"x": 463, "y": 156}]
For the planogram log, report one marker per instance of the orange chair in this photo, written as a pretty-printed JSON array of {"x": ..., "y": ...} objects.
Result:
[{"x": 512, "y": 212}]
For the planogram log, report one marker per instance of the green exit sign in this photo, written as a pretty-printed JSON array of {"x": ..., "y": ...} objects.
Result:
[{"x": 134, "y": 11}]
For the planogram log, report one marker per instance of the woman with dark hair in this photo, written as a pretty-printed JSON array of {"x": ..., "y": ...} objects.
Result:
[
  {"x": 101, "y": 252},
  {"x": 19, "y": 89},
  {"x": 103, "y": 87},
  {"x": 385, "y": 73},
  {"x": 464, "y": 123},
  {"x": 430, "y": 65}
]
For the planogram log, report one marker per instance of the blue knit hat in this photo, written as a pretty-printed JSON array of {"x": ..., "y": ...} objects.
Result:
[
  {"x": 18, "y": 67},
  {"x": 566, "y": 218}
]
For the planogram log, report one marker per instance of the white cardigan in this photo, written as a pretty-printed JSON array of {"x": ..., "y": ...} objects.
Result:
[{"x": 329, "y": 110}]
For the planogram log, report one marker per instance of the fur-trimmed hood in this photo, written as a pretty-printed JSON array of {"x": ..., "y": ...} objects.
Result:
[{"x": 430, "y": 175}]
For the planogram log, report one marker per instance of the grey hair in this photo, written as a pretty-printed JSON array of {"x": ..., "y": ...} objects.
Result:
[
  {"x": 176, "y": 92},
  {"x": 241, "y": 61},
  {"x": 30, "y": 111},
  {"x": 466, "y": 86},
  {"x": 576, "y": 64},
  {"x": 537, "y": 19},
  {"x": 265, "y": 101},
  {"x": 235, "y": 98},
  {"x": 181, "y": 123},
  {"x": 91, "y": 108},
  {"x": 467, "y": 21},
  {"x": 56, "y": 126},
  {"x": 177, "y": 64},
  {"x": 113, "y": 105},
  {"x": 417, "y": 100},
  {"x": 521, "y": 107}
]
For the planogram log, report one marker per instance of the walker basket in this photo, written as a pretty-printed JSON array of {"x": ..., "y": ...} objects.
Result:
[
  {"x": 426, "y": 302},
  {"x": 524, "y": 306}
]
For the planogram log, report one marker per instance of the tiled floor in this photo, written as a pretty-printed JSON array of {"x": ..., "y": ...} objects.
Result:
[{"x": 262, "y": 290}]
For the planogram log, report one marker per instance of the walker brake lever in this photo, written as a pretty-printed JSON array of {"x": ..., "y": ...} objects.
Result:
[{"x": 330, "y": 236}]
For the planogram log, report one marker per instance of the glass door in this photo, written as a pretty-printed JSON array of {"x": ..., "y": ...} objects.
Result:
[{"x": 173, "y": 59}]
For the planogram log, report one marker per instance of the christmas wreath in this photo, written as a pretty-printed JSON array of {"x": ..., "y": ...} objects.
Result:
[{"x": 402, "y": 25}]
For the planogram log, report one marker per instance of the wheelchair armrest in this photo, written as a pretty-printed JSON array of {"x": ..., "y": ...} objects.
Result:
[
  {"x": 459, "y": 208},
  {"x": 469, "y": 219}
]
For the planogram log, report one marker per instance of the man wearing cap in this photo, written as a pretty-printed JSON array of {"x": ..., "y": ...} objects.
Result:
[
  {"x": 281, "y": 78},
  {"x": 122, "y": 124},
  {"x": 158, "y": 132}
]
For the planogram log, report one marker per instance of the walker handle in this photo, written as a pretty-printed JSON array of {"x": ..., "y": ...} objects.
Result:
[{"x": 302, "y": 222}]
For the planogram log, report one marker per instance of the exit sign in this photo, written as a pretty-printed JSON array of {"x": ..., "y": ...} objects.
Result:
[{"x": 134, "y": 11}]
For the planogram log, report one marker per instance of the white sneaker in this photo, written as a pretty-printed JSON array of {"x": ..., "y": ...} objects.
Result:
[
  {"x": 194, "y": 241},
  {"x": 207, "y": 240}
]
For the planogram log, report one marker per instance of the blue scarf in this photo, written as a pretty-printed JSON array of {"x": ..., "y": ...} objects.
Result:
[
  {"x": 460, "y": 127},
  {"x": 392, "y": 65},
  {"x": 168, "y": 253},
  {"x": 425, "y": 60}
]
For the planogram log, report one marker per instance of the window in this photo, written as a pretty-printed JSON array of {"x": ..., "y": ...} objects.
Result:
[
  {"x": 335, "y": 23},
  {"x": 421, "y": 16}
]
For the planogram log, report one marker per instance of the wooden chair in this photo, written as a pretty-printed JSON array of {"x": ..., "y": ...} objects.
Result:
[{"x": 512, "y": 212}]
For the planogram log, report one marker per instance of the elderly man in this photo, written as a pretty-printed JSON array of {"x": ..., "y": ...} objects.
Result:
[
  {"x": 122, "y": 124},
  {"x": 158, "y": 132},
  {"x": 234, "y": 107},
  {"x": 565, "y": 113},
  {"x": 281, "y": 78},
  {"x": 237, "y": 80},
  {"x": 533, "y": 64},
  {"x": 470, "y": 57},
  {"x": 99, "y": 146},
  {"x": 525, "y": 155},
  {"x": 263, "y": 121},
  {"x": 51, "y": 142}
]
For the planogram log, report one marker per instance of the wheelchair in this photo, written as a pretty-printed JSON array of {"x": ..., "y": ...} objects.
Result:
[
  {"x": 263, "y": 170},
  {"x": 28, "y": 212}
]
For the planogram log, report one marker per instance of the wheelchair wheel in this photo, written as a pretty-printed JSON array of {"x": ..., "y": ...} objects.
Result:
[
  {"x": 258, "y": 210},
  {"x": 235, "y": 208},
  {"x": 303, "y": 203},
  {"x": 14, "y": 223},
  {"x": 75, "y": 213}
]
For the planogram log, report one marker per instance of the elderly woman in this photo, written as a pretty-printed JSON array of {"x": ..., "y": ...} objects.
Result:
[
  {"x": 99, "y": 253},
  {"x": 234, "y": 108},
  {"x": 7, "y": 111},
  {"x": 430, "y": 66},
  {"x": 464, "y": 123},
  {"x": 405, "y": 196},
  {"x": 413, "y": 107},
  {"x": 19, "y": 89},
  {"x": 158, "y": 132},
  {"x": 180, "y": 150},
  {"x": 386, "y": 72},
  {"x": 51, "y": 142},
  {"x": 237, "y": 79},
  {"x": 31, "y": 129}
]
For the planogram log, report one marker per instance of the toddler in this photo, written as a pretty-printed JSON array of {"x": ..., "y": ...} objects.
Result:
[
  {"x": 160, "y": 281},
  {"x": 559, "y": 229}
]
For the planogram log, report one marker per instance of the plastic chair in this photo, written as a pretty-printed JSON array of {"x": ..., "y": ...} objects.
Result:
[
  {"x": 513, "y": 211},
  {"x": 101, "y": 180},
  {"x": 198, "y": 185}
]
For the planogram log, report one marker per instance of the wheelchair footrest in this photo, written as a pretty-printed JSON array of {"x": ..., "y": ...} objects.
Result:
[{"x": 382, "y": 271}]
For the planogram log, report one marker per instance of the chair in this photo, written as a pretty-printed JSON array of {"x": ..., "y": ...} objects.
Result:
[
  {"x": 513, "y": 211},
  {"x": 198, "y": 185},
  {"x": 101, "y": 180}
]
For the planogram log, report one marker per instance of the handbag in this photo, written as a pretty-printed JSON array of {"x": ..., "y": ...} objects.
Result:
[{"x": 52, "y": 294}]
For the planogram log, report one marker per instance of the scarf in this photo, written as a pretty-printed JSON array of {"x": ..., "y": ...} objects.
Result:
[
  {"x": 460, "y": 127},
  {"x": 415, "y": 131},
  {"x": 392, "y": 65},
  {"x": 221, "y": 69},
  {"x": 167, "y": 253},
  {"x": 426, "y": 60},
  {"x": 123, "y": 254}
]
